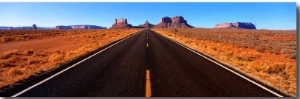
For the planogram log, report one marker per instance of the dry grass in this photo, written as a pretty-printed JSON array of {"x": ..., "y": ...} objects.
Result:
[
  {"x": 266, "y": 55},
  {"x": 8, "y": 54},
  {"x": 17, "y": 64},
  {"x": 56, "y": 57},
  {"x": 4, "y": 63}
]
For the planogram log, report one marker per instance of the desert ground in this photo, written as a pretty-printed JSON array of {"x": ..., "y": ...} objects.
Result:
[
  {"x": 268, "y": 56},
  {"x": 28, "y": 52}
]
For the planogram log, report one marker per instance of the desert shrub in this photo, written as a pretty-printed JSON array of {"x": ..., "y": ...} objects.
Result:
[
  {"x": 56, "y": 57},
  {"x": 15, "y": 51},
  {"x": 16, "y": 71},
  {"x": 4, "y": 63},
  {"x": 258, "y": 67},
  {"x": 6, "y": 39},
  {"x": 277, "y": 68},
  {"x": 188, "y": 42},
  {"x": 275, "y": 50},
  {"x": 7, "y": 54},
  {"x": 260, "y": 49},
  {"x": 34, "y": 60},
  {"x": 70, "y": 53},
  {"x": 29, "y": 52},
  {"x": 245, "y": 58},
  {"x": 291, "y": 70},
  {"x": 214, "y": 48}
]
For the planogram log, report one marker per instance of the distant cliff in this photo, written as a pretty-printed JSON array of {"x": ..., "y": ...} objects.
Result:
[{"x": 239, "y": 25}]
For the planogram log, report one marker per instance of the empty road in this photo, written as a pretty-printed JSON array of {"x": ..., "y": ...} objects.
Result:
[{"x": 145, "y": 65}]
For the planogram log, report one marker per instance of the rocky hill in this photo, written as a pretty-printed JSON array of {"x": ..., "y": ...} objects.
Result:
[
  {"x": 146, "y": 25},
  {"x": 238, "y": 25},
  {"x": 121, "y": 24},
  {"x": 177, "y": 21}
]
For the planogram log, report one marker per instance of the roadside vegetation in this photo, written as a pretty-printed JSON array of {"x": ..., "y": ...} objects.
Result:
[
  {"x": 19, "y": 64},
  {"x": 266, "y": 55}
]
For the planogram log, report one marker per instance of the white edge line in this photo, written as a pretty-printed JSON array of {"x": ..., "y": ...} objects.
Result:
[
  {"x": 259, "y": 85},
  {"x": 27, "y": 89}
]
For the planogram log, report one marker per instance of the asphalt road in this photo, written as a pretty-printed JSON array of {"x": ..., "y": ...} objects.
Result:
[{"x": 172, "y": 71}]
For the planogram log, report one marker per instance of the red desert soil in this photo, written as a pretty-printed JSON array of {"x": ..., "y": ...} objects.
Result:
[
  {"x": 60, "y": 42},
  {"x": 21, "y": 58}
]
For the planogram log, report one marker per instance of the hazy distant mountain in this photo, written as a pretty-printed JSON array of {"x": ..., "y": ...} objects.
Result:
[
  {"x": 79, "y": 27},
  {"x": 6, "y": 28},
  {"x": 57, "y": 27}
]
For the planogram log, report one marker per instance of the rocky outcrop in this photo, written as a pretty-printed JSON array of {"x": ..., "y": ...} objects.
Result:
[
  {"x": 177, "y": 21},
  {"x": 121, "y": 24},
  {"x": 146, "y": 25},
  {"x": 238, "y": 25},
  {"x": 34, "y": 26},
  {"x": 164, "y": 23},
  {"x": 63, "y": 27}
]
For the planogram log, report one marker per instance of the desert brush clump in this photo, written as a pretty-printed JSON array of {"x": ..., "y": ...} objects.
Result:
[
  {"x": 34, "y": 60},
  {"x": 56, "y": 56},
  {"x": 29, "y": 52},
  {"x": 8, "y": 54},
  {"x": 4, "y": 63},
  {"x": 268, "y": 56},
  {"x": 16, "y": 71}
]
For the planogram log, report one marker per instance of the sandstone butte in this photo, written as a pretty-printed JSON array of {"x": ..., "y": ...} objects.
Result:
[{"x": 166, "y": 22}]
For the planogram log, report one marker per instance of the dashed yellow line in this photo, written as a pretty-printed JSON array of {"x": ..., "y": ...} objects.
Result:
[
  {"x": 147, "y": 45},
  {"x": 148, "y": 84}
]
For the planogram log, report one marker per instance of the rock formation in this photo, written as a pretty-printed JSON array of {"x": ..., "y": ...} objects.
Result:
[
  {"x": 122, "y": 23},
  {"x": 146, "y": 25},
  {"x": 177, "y": 21},
  {"x": 63, "y": 27},
  {"x": 34, "y": 26},
  {"x": 238, "y": 25}
]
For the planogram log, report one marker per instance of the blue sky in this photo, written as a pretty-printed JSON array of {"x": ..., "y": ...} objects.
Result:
[{"x": 275, "y": 16}]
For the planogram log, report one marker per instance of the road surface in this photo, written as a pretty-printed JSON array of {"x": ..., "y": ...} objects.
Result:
[{"x": 145, "y": 64}]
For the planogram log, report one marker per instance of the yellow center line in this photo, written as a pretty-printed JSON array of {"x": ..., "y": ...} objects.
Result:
[
  {"x": 148, "y": 84},
  {"x": 147, "y": 45}
]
